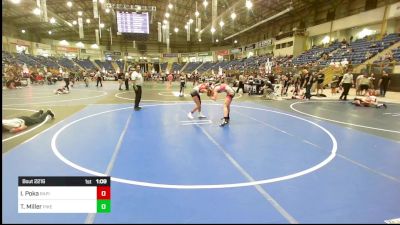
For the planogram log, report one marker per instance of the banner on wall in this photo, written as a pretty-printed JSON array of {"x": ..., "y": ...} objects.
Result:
[
  {"x": 264, "y": 43},
  {"x": 19, "y": 42},
  {"x": 250, "y": 47},
  {"x": 222, "y": 52},
  {"x": 170, "y": 55},
  {"x": 66, "y": 49},
  {"x": 188, "y": 54},
  {"x": 236, "y": 50},
  {"x": 42, "y": 46},
  {"x": 92, "y": 51},
  {"x": 110, "y": 53},
  {"x": 204, "y": 54}
]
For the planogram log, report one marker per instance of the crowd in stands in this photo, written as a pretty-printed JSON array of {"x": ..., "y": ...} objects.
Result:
[{"x": 290, "y": 74}]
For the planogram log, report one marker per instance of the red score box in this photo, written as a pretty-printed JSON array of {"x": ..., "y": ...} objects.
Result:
[{"x": 103, "y": 192}]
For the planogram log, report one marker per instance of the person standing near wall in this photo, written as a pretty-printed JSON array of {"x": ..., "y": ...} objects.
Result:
[
  {"x": 137, "y": 80},
  {"x": 346, "y": 82},
  {"x": 241, "y": 83},
  {"x": 384, "y": 83},
  {"x": 65, "y": 75},
  {"x": 98, "y": 78}
]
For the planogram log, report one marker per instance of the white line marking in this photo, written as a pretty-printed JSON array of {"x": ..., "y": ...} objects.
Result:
[
  {"x": 336, "y": 121},
  {"x": 369, "y": 169},
  {"x": 273, "y": 127},
  {"x": 186, "y": 124},
  {"x": 19, "y": 109},
  {"x": 213, "y": 186},
  {"x": 27, "y": 131},
  {"x": 91, "y": 216},
  {"x": 310, "y": 143},
  {"x": 264, "y": 193},
  {"x": 57, "y": 101},
  {"x": 191, "y": 121},
  {"x": 264, "y": 123}
]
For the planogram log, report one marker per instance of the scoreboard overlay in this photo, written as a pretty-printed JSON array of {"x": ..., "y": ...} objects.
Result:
[{"x": 64, "y": 195}]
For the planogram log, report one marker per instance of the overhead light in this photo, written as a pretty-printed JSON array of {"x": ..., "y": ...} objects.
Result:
[
  {"x": 36, "y": 11},
  {"x": 80, "y": 13},
  {"x": 74, "y": 22},
  {"x": 167, "y": 14},
  {"x": 191, "y": 21},
  {"x": 212, "y": 30},
  {"x": 87, "y": 20},
  {"x": 197, "y": 29},
  {"x": 235, "y": 41},
  {"x": 221, "y": 23},
  {"x": 107, "y": 10},
  {"x": 249, "y": 4},
  {"x": 101, "y": 1},
  {"x": 69, "y": 24},
  {"x": 16, "y": 1},
  {"x": 95, "y": 46},
  {"x": 233, "y": 15},
  {"x": 170, "y": 6},
  {"x": 186, "y": 26},
  {"x": 69, "y": 4},
  {"x": 165, "y": 21},
  {"x": 102, "y": 25},
  {"x": 205, "y": 3},
  {"x": 199, "y": 40},
  {"x": 217, "y": 40},
  {"x": 23, "y": 31},
  {"x": 80, "y": 45},
  {"x": 176, "y": 30},
  {"x": 64, "y": 43},
  {"x": 197, "y": 13},
  {"x": 139, "y": 7},
  {"x": 52, "y": 20},
  {"x": 50, "y": 32}
]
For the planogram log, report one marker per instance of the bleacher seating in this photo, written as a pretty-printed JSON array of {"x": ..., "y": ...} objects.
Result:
[
  {"x": 177, "y": 66},
  {"x": 86, "y": 64},
  {"x": 48, "y": 62},
  {"x": 205, "y": 66},
  {"x": 163, "y": 66},
  {"x": 191, "y": 67},
  {"x": 362, "y": 49},
  {"x": 67, "y": 63},
  {"x": 396, "y": 54},
  {"x": 315, "y": 53}
]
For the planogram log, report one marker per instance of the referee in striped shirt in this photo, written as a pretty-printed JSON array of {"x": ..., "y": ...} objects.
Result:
[{"x": 137, "y": 80}]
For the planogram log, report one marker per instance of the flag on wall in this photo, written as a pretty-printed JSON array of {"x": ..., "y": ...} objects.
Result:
[
  {"x": 97, "y": 36},
  {"x": 159, "y": 32},
  {"x": 95, "y": 9},
  {"x": 110, "y": 35},
  {"x": 44, "y": 10},
  {"x": 80, "y": 23}
]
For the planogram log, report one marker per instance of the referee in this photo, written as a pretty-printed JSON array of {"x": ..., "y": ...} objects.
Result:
[{"x": 137, "y": 80}]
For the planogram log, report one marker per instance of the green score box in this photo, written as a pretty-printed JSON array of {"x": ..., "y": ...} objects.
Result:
[{"x": 103, "y": 206}]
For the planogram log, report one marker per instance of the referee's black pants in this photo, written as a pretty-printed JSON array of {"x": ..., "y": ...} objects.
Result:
[
  {"x": 138, "y": 95},
  {"x": 126, "y": 84}
]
